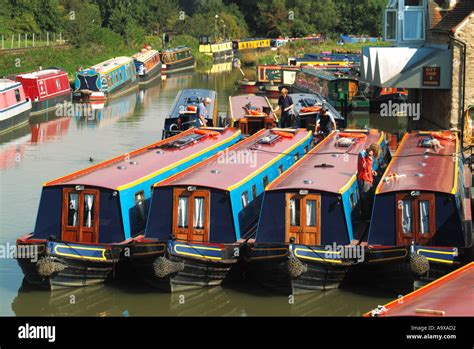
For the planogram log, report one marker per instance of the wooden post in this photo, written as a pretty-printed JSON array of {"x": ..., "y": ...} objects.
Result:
[
  {"x": 47, "y": 38},
  {"x": 13, "y": 39},
  {"x": 26, "y": 40},
  {"x": 60, "y": 38},
  {"x": 33, "y": 39},
  {"x": 19, "y": 40},
  {"x": 3, "y": 44}
]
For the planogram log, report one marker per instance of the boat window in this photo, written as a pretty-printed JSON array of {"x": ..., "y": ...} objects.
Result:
[
  {"x": 351, "y": 199},
  {"x": 88, "y": 217},
  {"x": 280, "y": 169},
  {"x": 305, "y": 149},
  {"x": 198, "y": 221},
  {"x": 17, "y": 95},
  {"x": 245, "y": 199},
  {"x": 294, "y": 212},
  {"x": 424, "y": 209},
  {"x": 265, "y": 182},
  {"x": 407, "y": 214},
  {"x": 310, "y": 213},
  {"x": 297, "y": 156},
  {"x": 73, "y": 204},
  {"x": 58, "y": 84},
  {"x": 254, "y": 191},
  {"x": 183, "y": 212},
  {"x": 140, "y": 205}
]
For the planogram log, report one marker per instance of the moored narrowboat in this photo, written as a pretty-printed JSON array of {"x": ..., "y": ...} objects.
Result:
[
  {"x": 423, "y": 207},
  {"x": 148, "y": 65},
  {"x": 380, "y": 96},
  {"x": 250, "y": 113},
  {"x": 14, "y": 106},
  {"x": 45, "y": 89},
  {"x": 86, "y": 219},
  {"x": 248, "y": 45},
  {"x": 307, "y": 107},
  {"x": 450, "y": 295},
  {"x": 177, "y": 59},
  {"x": 219, "y": 50},
  {"x": 199, "y": 219},
  {"x": 105, "y": 80},
  {"x": 310, "y": 216},
  {"x": 183, "y": 112}
]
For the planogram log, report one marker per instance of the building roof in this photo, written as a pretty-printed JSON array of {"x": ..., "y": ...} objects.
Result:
[
  {"x": 426, "y": 169},
  {"x": 341, "y": 166},
  {"x": 239, "y": 163},
  {"x": 141, "y": 163},
  {"x": 453, "y": 18}
]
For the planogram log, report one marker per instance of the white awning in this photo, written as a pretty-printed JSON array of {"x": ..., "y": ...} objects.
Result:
[{"x": 403, "y": 66}]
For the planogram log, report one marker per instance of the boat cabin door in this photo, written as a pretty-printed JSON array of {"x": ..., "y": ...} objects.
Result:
[
  {"x": 80, "y": 215},
  {"x": 415, "y": 216},
  {"x": 303, "y": 218},
  {"x": 191, "y": 215}
]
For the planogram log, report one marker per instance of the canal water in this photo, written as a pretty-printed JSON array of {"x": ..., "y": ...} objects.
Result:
[{"x": 51, "y": 146}]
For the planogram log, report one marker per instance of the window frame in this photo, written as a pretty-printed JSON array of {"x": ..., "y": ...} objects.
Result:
[
  {"x": 296, "y": 231},
  {"x": 143, "y": 223},
  {"x": 415, "y": 210},
  {"x": 190, "y": 232}
]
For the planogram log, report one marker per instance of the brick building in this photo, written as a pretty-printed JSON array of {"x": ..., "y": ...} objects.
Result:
[{"x": 432, "y": 55}]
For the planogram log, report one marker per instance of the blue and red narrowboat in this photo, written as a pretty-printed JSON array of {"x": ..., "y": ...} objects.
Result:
[
  {"x": 148, "y": 65},
  {"x": 451, "y": 295},
  {"x": 200, "y": 218},
  {"x": 14, "y": 106},
  {"x": 307, "y": 107},
  {"x": 422, "y": 207},
  {"x": 106, "y": 80},
  {"x": 45, "y": 89},
  {"x": 87, "y": 218},
  {"x": 310, "y": 216}
]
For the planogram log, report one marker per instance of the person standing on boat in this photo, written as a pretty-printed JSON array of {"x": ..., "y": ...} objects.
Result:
[
  {"x": 365, "y": 177},
  {"x": 326, "y": 123},
  {"x": 202, "y": 112},
  {"x": 285, "y": 104}
]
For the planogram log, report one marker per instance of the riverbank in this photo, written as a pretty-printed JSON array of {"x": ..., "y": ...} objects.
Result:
[{"x": 73, "y": 58}]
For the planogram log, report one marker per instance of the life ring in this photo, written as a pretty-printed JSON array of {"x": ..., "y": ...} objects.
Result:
[
  {"x": 191, "y": 108},
  {"x": 446, "y": 136},
  {"x": 284, "y": 134},
  {"x": 352, "y": 135},
  {"x": 312, "y": 109},
  {"x": 207, "y": 132}
]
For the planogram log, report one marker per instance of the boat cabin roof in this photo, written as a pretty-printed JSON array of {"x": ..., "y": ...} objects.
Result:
[
  {"x": 111, "y": 64},
  {"x": 328, "y": 167},
  {"x": 6, "y": 84},
  {"x": 132, "y": 168},
  {"x": 452, "y": 294},
  {"x": 192, "y": 96},
  {"x": 145, "y": 56},
  {"x": 311, "y": 99},
  {"x": 42, "y": 74},
  {"x": 325, "y": 75},
  {"x": 426, "y": 169},
  {"x": 236, "y": 104},
  {"x": 244, "y": 161}
]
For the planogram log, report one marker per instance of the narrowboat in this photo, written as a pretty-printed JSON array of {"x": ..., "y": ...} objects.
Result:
[
  {"x": 14, "y": 106},
  {"x": 247, "y": 86},
  {"x": 86, "y": 219},
  {"x": 269, "y": 79},
  {"x": 106, "y": 80},
  {"x": 250, "y": 113},
  {"x": 311, "y": 214},
  {"x": 177, "y": 59},
  {"x": 451, "y": 295},
  {"x": 307, "y": 108},
  {"x": 383, "y": 95},
  {"x": 216, "y": 50},
  {"x": 45, "y": 89},
  {"x": 337, "y": 89},
  {"x": 199, "y": 219},
  {"x": 423, "y": 207},
  {"x": 248, "y": 45},
  {"x": 147, "y": 64},
  {"x": 335, "y": 62},
  {"x": 183, "y": 112}
]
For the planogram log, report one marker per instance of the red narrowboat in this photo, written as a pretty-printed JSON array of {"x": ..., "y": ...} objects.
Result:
[
  {"x": 14, "y": 106},
  {"x": 45, "y": 89},
  {"x": 451, "y": 295},
  {"x": 250, "y": 113}
]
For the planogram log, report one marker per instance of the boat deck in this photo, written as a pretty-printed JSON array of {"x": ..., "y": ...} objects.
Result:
[
  {"x": 451, "y": 295},
  {"x": 236, "y": 104},
  {"x": 141, "y": 163}
]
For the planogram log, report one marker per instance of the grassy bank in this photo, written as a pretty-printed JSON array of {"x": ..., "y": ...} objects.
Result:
[
  {"x": 299, "y": 48},
  {"x": 71, "y": 59}
]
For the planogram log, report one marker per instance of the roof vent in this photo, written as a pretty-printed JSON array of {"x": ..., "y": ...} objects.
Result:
[
  {"x": 160, "y": 151},
  {"x": 215, "y": 171},
  {"x": 422, "y": 164},
  {"x": 419, "y": 175},
  {"x": 308, "y": 181},
  {"x": 121, "y": 167},
  {"x": 133, "y": 163}
]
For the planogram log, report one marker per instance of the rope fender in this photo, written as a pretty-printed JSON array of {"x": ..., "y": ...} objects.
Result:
[
  {"x": 295, "y": 267},
  {"x": 163, "y": 267},
  {"x": 419, "y": 264},
  {"x": 47, "y": 266}
]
